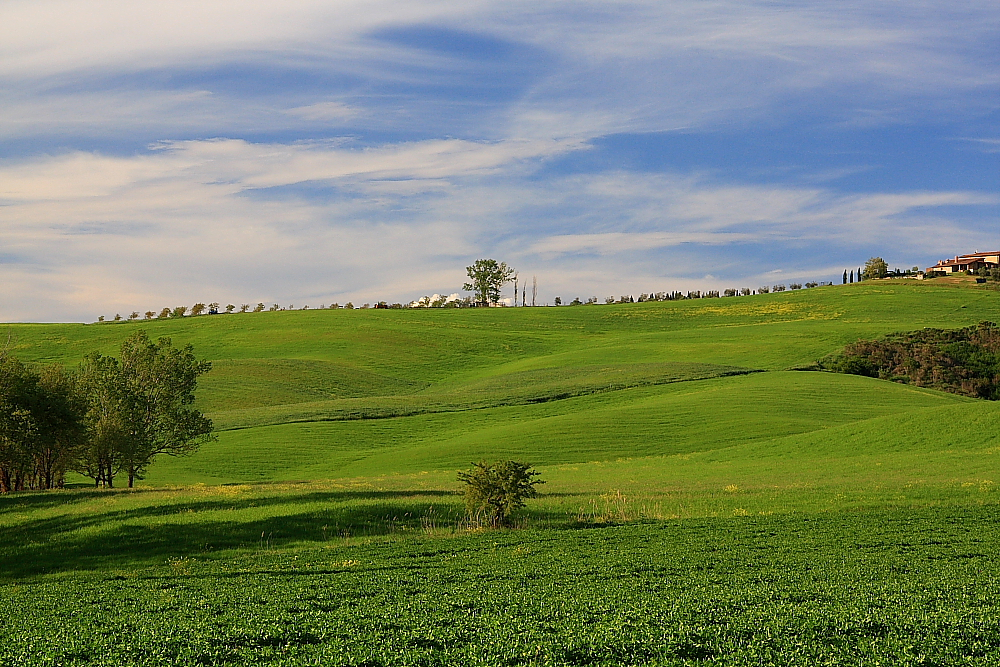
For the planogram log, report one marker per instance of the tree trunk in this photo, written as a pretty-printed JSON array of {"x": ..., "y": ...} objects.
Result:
[{"x": 46, "y": 469}]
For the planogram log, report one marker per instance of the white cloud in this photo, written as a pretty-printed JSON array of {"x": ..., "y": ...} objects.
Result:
[
  {"x": 986, "y": 145},
  {"x": 46, "y": 37},
  {"x": 232, "y": 165},
  {"x": 95, "y": 231},
  {"x": 88, "y": 234}
]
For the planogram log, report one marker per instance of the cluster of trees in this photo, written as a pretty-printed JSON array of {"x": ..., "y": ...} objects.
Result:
[
  {"x": 875, "y": 268},
  {"x": 486, "y": 280},
  {"x": 986, "y": 272},
  {"x": 962, "y": 361},
  {"x": 437, "y": 301},
  {"x": 41, "y": 424},
  {"x": 111, "y": 416},
  {"x": 765, "y": 289},
  {"x": 213, "y": 308}
]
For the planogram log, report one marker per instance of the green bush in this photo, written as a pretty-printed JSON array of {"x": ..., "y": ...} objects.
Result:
[{"x": 494, "y": 491}]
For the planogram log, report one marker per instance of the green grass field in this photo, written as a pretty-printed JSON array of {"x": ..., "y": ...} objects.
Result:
[
  {"x": 899, "y": 588},
  {"x": 705, "y": 501}
]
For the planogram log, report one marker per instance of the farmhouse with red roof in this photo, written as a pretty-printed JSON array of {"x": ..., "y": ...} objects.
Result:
[{"x": 970, "y": 262}]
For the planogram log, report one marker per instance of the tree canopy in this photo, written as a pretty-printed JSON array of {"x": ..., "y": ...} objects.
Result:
[
  {"x": 41, "y": 432},
  {"x": 875, "y": 268},
  {"x": 487, "y": 277},
  {"x": 113, "y": 415},
  {"x": 140, "y": 407}
]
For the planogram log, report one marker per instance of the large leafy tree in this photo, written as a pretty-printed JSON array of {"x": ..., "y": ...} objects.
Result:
[
  {"x": 875, "y": 268},
  {"x": 141, "y": 406},
  {"x": 40, "y": 425},
  {"x": 60, "y": 410},
  {"x": 18, "y": 428},
  {"x": 108, "y": 414},
  {"x": 487, "y": 277}
]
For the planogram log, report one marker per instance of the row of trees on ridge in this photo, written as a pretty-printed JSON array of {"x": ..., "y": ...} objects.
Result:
[{"x": 487, "y": 278}]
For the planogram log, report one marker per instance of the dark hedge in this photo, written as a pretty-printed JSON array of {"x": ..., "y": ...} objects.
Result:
[{"x": 961, "y": 361}]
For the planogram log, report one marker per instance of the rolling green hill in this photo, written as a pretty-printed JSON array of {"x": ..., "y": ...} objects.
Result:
[
  {"x": 706, "y": 502},
  {"x": 307, "y": 395}
]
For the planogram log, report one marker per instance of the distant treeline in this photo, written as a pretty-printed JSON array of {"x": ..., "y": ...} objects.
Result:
[
  {"x": 961, "y": 361},
  {"x": 446, "y": 302},
  {"x": 110, "y": 416}
]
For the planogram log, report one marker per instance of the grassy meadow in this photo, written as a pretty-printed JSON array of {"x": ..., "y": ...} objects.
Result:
[{"x": 708, "y": 500}]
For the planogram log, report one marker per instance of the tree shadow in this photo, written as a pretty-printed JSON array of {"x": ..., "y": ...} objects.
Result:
[
  {"x": 37, "y": 500},
  {"x": 58, "y": 497},
  {"x": 116, "y": 536},
  {"x": 122, "y": 538}
]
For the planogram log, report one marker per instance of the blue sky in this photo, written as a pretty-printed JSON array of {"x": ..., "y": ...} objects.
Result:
[{"x": 306, "y": 152}]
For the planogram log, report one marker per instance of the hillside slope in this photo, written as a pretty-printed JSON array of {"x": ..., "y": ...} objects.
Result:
[{"x": 325, "y": 394}]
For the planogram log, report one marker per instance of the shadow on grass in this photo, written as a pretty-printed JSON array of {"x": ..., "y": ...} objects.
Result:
[
  {"x": 135, "y": 537},
  {"x": 38, "y": 500}
]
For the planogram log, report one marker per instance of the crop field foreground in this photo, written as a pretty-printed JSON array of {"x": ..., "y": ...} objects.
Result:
[
  {"x": 709, "y": 497},
  {"x": 899, "y": 588}
]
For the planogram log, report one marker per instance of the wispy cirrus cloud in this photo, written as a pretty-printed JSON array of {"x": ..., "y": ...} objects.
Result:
[
  {"x": 586, "y": 68},
  {"x": 236, "y": 165}
]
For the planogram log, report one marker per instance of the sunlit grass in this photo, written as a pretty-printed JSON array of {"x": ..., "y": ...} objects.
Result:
[{"x": 693, "y": 511}]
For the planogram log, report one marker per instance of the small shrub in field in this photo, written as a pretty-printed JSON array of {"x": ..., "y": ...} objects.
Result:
[{"x": 494, "y": 491}]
